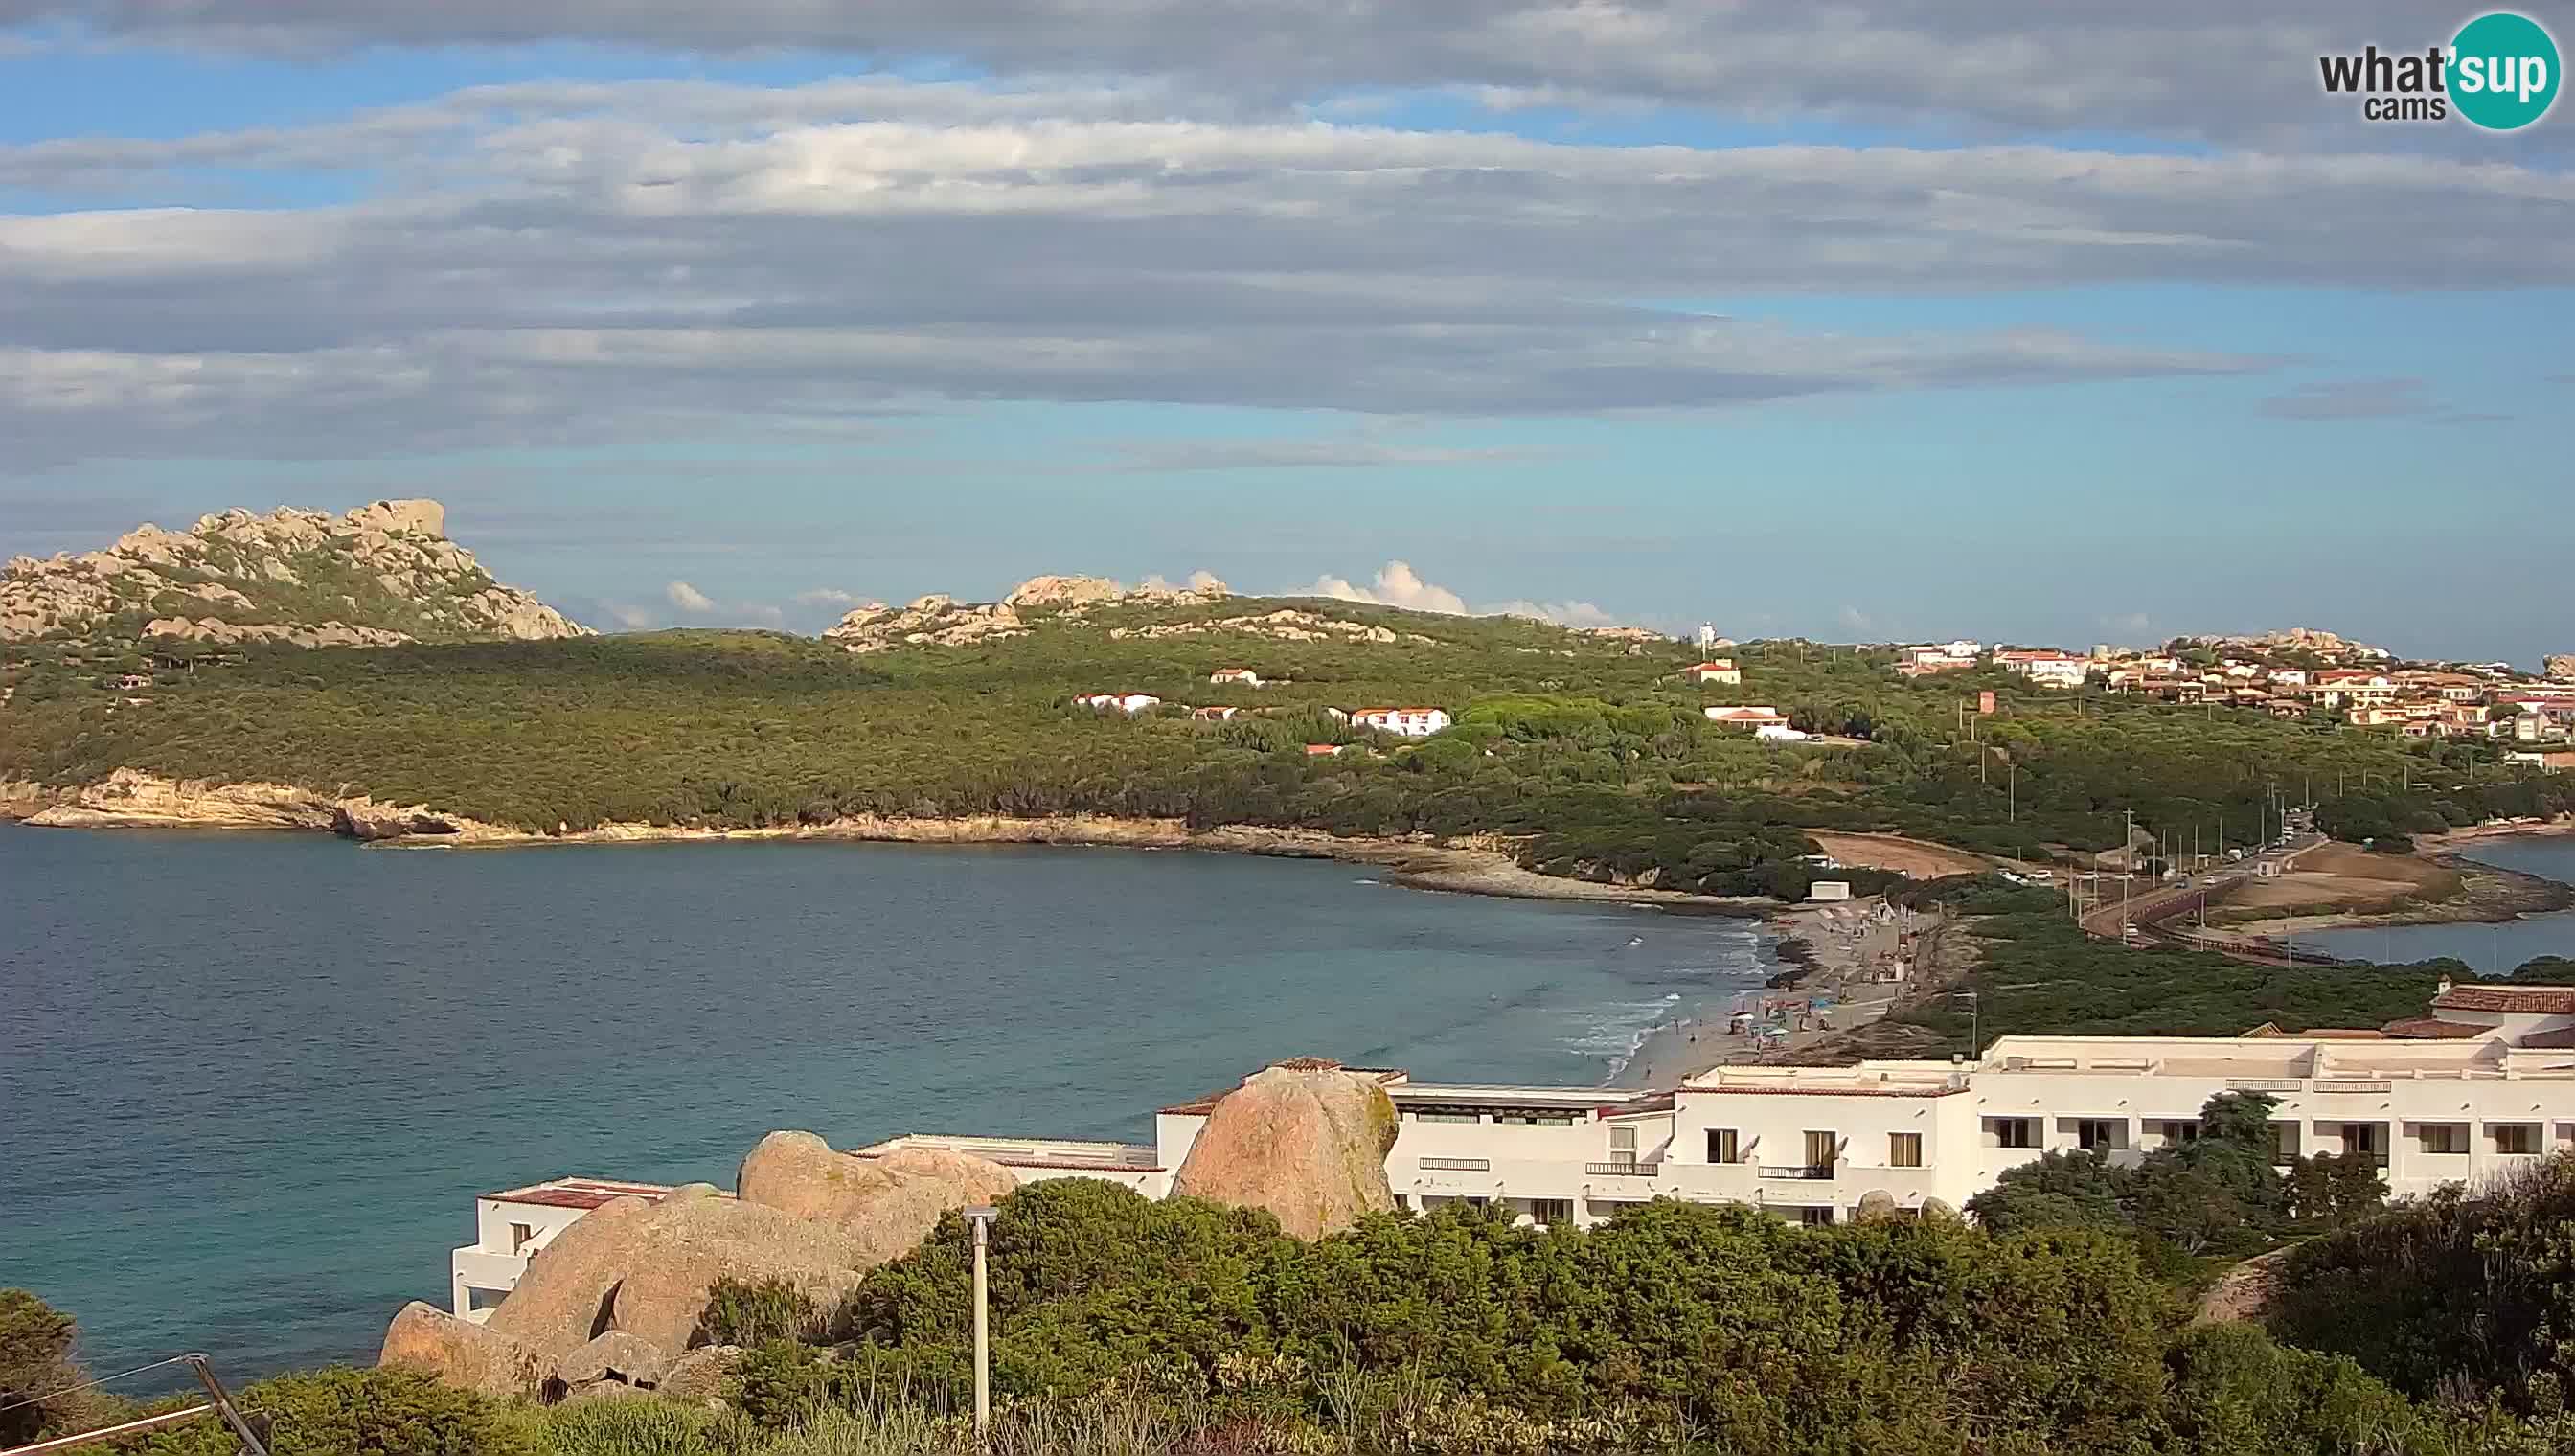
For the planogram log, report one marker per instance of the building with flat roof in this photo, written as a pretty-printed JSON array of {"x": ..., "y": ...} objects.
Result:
[
  {"x": 512, "y": 1226},
  {"x": 2482, "y": 1083}
]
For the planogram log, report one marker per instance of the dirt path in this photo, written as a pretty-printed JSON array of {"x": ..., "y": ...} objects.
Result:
[{"x": 1917, "y": 857}]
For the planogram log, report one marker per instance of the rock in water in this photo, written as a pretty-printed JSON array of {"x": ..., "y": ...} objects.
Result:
[
  {"x": 648, "y": 1268},
  {"x": 889, "y": 1205},
  {"x": 1304, "y": 1139},
  {"x": 460, "y": 1352}
]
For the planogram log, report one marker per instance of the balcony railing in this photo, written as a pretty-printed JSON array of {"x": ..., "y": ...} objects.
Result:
[
  {"x": 2364, "y": 1084},
  {"x": 1455, "y": 1165},
  {"x": 1619, "y": 1170},
  {"x": 2265, "y": 1085},
  {"x": 1812, "y": 1174}
]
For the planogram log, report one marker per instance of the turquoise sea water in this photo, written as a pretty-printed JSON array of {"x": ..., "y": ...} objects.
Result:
[
  {"x": 250, "y": 1084},
  {"x": 2486, "y": 948}
]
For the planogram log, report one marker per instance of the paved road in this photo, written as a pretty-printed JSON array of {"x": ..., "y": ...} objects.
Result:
[{"x": 2144, "y": 910}]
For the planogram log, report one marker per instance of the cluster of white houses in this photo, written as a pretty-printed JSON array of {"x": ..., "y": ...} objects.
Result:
[
  {"x": 2482, "y": 1084},
  {"x": 1403, "y": 723}
]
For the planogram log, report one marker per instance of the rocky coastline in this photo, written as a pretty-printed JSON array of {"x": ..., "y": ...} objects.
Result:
[
  {"x": 131, "y": 799},
  {"x": 2488, "y": 894}
]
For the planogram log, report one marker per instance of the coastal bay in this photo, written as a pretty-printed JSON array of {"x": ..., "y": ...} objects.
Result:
[{"x": 250, "y": 1081}]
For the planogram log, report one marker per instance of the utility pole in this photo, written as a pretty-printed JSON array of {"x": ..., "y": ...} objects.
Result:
[{"x": 982, "y": 1216}]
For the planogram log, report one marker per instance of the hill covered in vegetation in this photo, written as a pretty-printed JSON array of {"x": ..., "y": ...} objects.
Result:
[{"x": 1585, "y": 753}]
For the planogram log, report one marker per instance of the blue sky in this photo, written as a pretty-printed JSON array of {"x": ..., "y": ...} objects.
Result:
[{"x": 1899, "y": 318}]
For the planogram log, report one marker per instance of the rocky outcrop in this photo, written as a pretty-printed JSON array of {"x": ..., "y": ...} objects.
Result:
[
  {"x": 128, "y": 798},
  {"x": 616, "y": 1357},
  {"x": 383, "y": 575},
  {"x": 1304, "y": 1141},
  {"x": 1284, "y": 624},
  {"x": 941, "y": 620},
  {"x": 888, "y": 1204},
  {"x": 459, "y": 1352},
  {"x": 647, "y": 1268},
  {"x": 934, "y": 621},
  {"x": 2560, "y": 666}
]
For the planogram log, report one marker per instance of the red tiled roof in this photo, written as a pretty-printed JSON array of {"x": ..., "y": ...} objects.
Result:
[
  {"x": 579, "y": 1193},
  {"x": 2525, "y": 1001},
  {"x": 2558, "y": 1041},
  {"x": 1845, "y": 1091},
  {"x": 1651, "y": 1102},
  {"x": 2433, "y": 1029}
]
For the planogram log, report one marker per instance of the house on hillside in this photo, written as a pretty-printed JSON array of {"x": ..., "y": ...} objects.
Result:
[
  {"x": 1325, "y": 751},
  {"x": 1405, "y": 723},
  {"x": 1126, "y": 702},
  {"x": 2046, "y": 669},
  {"x": 1214, "y": 714},
  {"x": 1716, "y": 669},
  {"x": 1234, "y": 678},
  {"x": 1756, "y": 718}
]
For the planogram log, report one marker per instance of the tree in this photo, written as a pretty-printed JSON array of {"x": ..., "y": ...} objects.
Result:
[{"x": 35, "y": 1363}]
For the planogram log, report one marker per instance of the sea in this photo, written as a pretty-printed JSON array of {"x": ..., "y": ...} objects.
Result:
[
  {"x": 2493, "y": 950},
  {"x": 250, "y": 1084}
]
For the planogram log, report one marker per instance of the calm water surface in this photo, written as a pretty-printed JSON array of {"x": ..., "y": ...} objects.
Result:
[
  {"x": 2484, "y": 948},
  {"x": 250, "y": 1084}
]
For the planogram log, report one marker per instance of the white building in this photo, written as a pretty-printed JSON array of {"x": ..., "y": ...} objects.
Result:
[
  {"x": 510, "y": 1226},
  {"x": 1128, "y": 703},
  {"x": 1408, "y": 722},
  {"x": 2483, "y": 1084},
  {"x": 1752, "y": 715},
  {"x": 1716, "y": 669},
  {"x": 1239, "y": 676},
  {"x": 2047, "y": 669}
]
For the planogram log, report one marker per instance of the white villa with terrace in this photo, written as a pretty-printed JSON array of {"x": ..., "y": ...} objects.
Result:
[{"x": 2482, "y": 1084}]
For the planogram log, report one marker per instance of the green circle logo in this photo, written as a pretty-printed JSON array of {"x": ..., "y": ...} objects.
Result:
[{"x": 2503, "y": 71}]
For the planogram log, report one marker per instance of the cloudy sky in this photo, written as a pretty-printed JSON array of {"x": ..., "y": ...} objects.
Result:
[{"x": 1877, "y": 318}]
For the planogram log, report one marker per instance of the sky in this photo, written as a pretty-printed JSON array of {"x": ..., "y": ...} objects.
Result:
[{"x": 1864, "y": 320}]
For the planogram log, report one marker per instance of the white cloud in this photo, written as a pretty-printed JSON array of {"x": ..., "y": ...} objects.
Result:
[
  {"x": 830, "y": 597},
  {"x": 1853, "y": 618},
  {"x": 688, "y": 597},
  {"x": 633, "y": 617},
  {"x": 1398, "y": 584}
]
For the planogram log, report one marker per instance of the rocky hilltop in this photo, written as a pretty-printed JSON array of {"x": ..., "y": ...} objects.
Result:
[
  {"x": 2560, "y": 665},
  {"x": 944, "y": 621},
  {"x": 382, "y": 574}
]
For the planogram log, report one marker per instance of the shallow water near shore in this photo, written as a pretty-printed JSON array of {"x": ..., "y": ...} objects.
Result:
[
  {"x": 251, "y": 1084},
  {"x": 2487, "y": 948}
]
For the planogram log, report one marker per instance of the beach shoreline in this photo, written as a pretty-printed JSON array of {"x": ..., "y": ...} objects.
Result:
[
  {"x": 1840, "y": 945},
  {"x": 1481, "y": 865}
]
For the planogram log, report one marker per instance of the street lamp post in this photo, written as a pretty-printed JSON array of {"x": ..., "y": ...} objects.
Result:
[
  {"x": 981, "y": 1218},
  {"x": 1976, "y": 1022}
]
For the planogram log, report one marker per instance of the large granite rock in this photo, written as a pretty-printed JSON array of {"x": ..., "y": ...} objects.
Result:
[
  {"x": 626, "y": 1359},
  {"x": 647, "y": 1267},
  {"x": 1304, "y": 1139},
  {"x": 888, "y": 1204},
  {"x": 460, "y": 1352}
]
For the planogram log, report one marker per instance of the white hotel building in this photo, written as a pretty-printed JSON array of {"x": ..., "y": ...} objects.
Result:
[{"x": 2483, "y": 1084}]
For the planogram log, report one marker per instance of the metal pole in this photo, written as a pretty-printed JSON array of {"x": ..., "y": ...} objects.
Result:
[
  {"x": 981, "y": 1219},
  {"x": 222, "y": 1404}
]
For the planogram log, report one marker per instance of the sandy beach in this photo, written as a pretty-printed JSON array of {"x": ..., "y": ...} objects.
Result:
[{"x": 1841, "y": 946}]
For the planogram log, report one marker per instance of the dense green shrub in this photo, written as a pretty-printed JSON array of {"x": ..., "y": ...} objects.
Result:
[
  {"x": 350, "y": 1412},
  {"x": 2466, "y": 1290}
]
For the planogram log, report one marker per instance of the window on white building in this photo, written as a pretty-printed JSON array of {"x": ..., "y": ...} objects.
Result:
[
  {"x": 2514, "y": 1137},
  {"x": 2284, "y": 1141},
  {"x": 2439, "y": 1137},
  {"x": 1824, "y": 1148},
  {"x": 521, "y": 1235},
  {"x": 2367, "y": 1137},
  {"x": 1724, "y": 1146},
  {"x": 2013, "y": 1131},
  {"x": 1623, "y": 1145},
  {"x": 1520, "y": 1117},
  {"x": 1815, "y": 1217},
  {"x": 1905, "y": 1149},
  {"x": 1550, "y": 1212},
  {"x": 2175, "y": 1130},
  {"x": 2101, "y": 1134}
]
